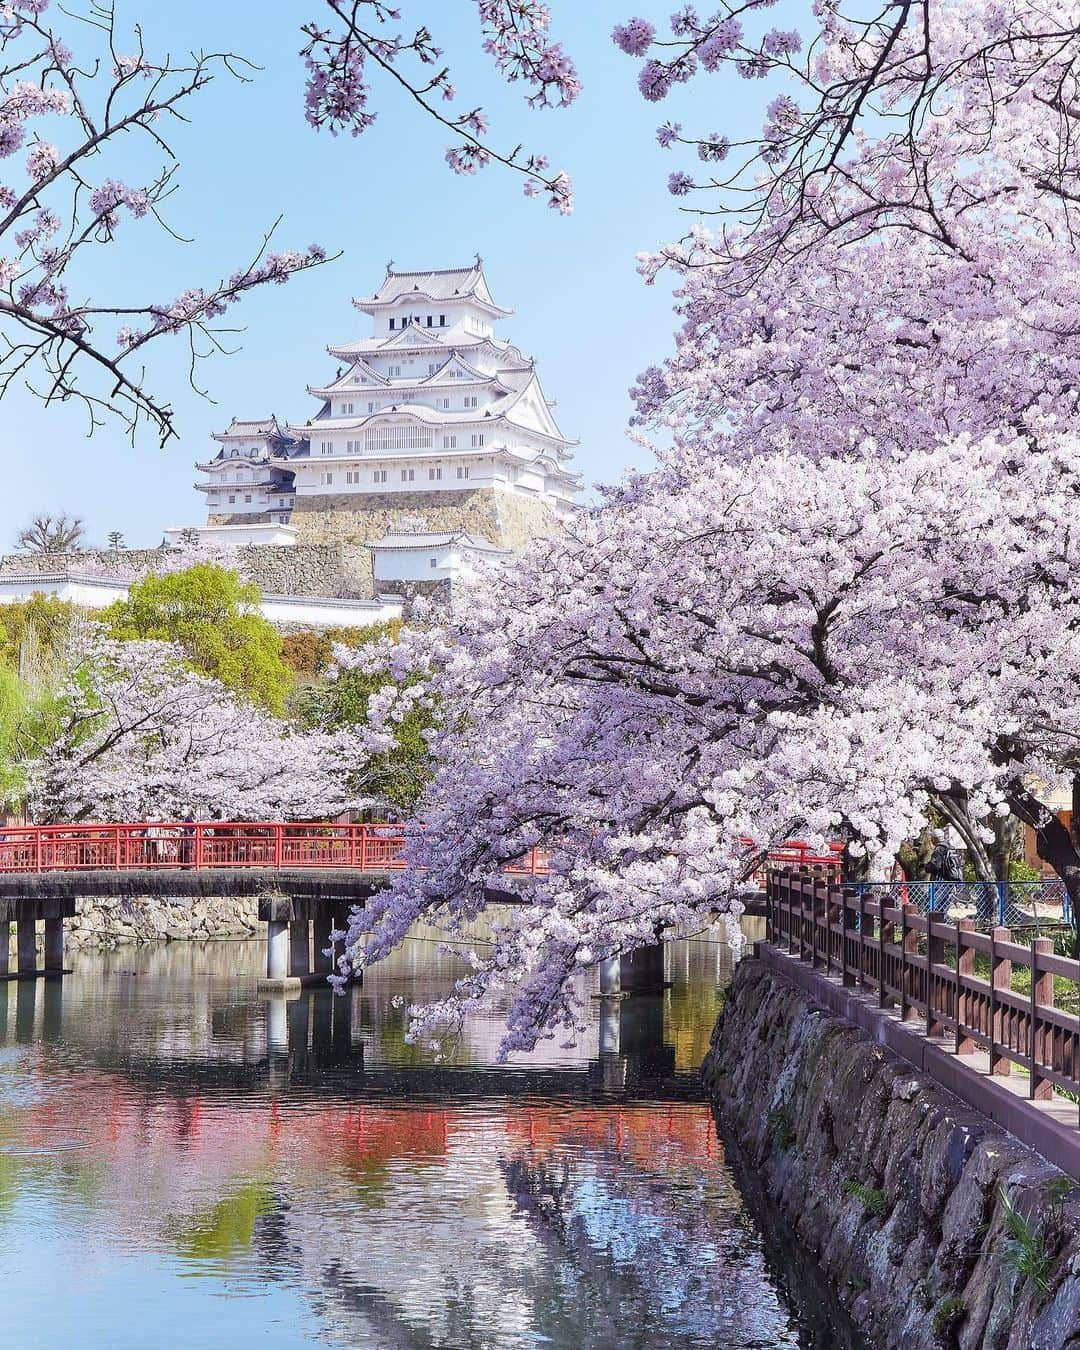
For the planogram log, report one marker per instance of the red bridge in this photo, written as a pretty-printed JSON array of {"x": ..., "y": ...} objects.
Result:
[{"x": 204, "y": 845}]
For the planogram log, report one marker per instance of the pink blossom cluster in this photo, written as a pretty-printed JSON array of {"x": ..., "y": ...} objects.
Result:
[{"x": 516, "y": 35}]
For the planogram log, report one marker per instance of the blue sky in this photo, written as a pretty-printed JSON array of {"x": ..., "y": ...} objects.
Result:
[{"x": 248, "y": 156}]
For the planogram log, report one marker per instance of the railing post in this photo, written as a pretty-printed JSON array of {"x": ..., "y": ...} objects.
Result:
[
  {"x": 199, "y": 833},
  {"x": 935, "y": 956},
  {"x": 849, "y": 970},
  {"x": 116, "y": 846},
  {"x": 1042, "y": 992},
  {"x": 1000, "y": 978},
  {"x": 965, "y": 968},
  {"x": 881, "y": 949},
  {"x": 903, "y": 961},
  {"x": 37, "y": 848},
  {"x": 862, "y": 935},
  {"x": 279, "y": 845},
  {"x": 1001, "y": 904}
]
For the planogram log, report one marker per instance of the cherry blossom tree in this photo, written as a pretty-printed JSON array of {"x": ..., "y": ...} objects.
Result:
[
  {"x": 793, "y": 645},
  {"x": 67, "y": 124},
  {"x": 362, "y": 38},
  {"x": 847, "y": 595},
  {"x": 132, "y": 733}
]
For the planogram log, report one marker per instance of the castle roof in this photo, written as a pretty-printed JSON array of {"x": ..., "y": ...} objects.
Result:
[
  {"x": 404, "y": 539},
  {"x": 451, "y": 283},
  {"x": 245, "y": 428}
]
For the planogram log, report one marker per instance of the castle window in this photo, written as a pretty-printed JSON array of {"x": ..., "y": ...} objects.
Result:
[
  {"x": 470, "y": 402},
  {"x": 434, "y": 562},
  {"x": 442, "y": 320},
  {"x": 395, "y": 370},
  {"x": 434, "y": 474},
  {"x": 232, "y": 499},
  {"x": 408, "y": 475},
  {"x": 429, "y": 319},
  {"x": 409, "y": 437},
  {"x": 379, "y": 476},
  {"x": 326, "y": 478},
  {"x": 463, "y": 472},
  {"x": 449, "y": 442},
  {"x": 247, "y": 497},
  {"x": 327, "y": 447},
  {"x": 446, "y": 403},
  {"x": 432, "y": 367},
  {"x": 391, "y": 325}
]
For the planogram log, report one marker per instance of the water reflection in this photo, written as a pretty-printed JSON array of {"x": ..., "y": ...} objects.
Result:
[{"x": 186, "y": 1162}]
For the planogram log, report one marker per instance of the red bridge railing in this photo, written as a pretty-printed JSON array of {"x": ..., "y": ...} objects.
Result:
[
  {"x": 165, "y": 844},
  {"x": 178, "y": 844}
]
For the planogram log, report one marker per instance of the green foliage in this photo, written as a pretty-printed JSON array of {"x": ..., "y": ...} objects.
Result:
[
  {"x": 213, "y": 616},
  {"x": 948, "y": 1315},
  {"x": 399, "y": 775},
  {"x": 1026, "y": 1251},
  {"x": 12, "y": 711},
  {"x": 873, "y": 1201},
  {"x": 780, "y": 1128},
  {"x": 34, "y": 635}
]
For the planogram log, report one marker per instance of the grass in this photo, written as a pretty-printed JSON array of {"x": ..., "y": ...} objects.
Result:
[
  {"x": 873, "y": 1201},
  {"x": 948, "y": 1315},
  {"x": 1026, "y": 1251}
]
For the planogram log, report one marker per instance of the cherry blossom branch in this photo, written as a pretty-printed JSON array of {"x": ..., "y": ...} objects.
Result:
[
  {"x": 99, "y": 108},
  {"x": 515, "y": 35}
]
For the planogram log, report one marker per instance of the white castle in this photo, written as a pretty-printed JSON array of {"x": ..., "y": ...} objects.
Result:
[{"x": 433, "y": 434}]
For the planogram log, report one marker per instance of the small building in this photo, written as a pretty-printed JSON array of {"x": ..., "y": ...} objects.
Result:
[{"x": 428, "y": 558}]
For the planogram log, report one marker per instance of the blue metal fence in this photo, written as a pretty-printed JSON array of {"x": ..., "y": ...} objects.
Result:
[{"x": 1011, "y": 904}]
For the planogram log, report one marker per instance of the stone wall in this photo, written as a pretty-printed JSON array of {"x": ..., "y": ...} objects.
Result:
[
  {"x": 893, "y": 1184},
  {"x": 110, "y": 921},
  {"x": 500, "y": 517},
  {"x": 333, "y": 568}
]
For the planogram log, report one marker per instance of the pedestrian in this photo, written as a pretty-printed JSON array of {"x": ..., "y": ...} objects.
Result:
[{"x": 187, "y": 841}]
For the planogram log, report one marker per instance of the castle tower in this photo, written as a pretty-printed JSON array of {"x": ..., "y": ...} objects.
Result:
[{"x": 433, "y": 427}]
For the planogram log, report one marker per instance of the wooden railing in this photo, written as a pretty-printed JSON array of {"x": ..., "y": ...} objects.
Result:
[{"x": 928, "y": 968}]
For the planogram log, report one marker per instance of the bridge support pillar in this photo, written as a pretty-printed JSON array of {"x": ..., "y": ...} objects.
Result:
[
  {"x": 299, "y": 957},
  {"x": 27, "y": 947},
  {"x": 642, "y": 971},
  {"x": 54, "y": 946},
  {"x": 277, "y": 951},
  {"x": 322, "y": 928},
  {"x": 610, "y": 976}
]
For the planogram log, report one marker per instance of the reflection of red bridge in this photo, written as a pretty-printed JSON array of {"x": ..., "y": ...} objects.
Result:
[{"x": 205, "y": 845}]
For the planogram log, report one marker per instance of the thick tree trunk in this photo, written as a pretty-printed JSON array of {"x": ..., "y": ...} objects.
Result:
[{"x": 1053, "y": 843}]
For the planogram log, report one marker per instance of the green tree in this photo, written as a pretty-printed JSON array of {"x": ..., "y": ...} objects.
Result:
[
  {"x": 213, "y": 615},
  {"x": 398, "y": 775},
  {"x": 34, "y": 636}
]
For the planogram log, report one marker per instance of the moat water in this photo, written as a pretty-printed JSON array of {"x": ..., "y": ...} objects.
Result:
[{"x": 186, "y": 1163}]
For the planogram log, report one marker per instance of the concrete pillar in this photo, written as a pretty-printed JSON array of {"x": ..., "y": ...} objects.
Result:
[
  {"x": 54, "y": 946},
  {"x": 610, "y": 1026},
  {"x": 642, "y": 971},
  {"x": 322, "y": 928},
  {"x": 27, "y": 944},
  {"x": 610, "y": 982},
  {"x": 299, "y": 948},
  {"x": 5, "y": 949},
  {"x": 322, "y": 1024},
  {"x": 277, "y": 950}
]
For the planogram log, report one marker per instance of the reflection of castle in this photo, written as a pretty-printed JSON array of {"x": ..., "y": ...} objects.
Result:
[{"x": 433, "y": 444}]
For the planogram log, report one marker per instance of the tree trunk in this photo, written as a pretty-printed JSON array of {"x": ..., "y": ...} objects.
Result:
[
  {"x": 1053, "y": 843},
  {"x": 954, "y": 809}
]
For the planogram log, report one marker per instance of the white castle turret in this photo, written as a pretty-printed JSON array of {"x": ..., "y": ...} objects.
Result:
[{"x": 433, "y": 429}]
